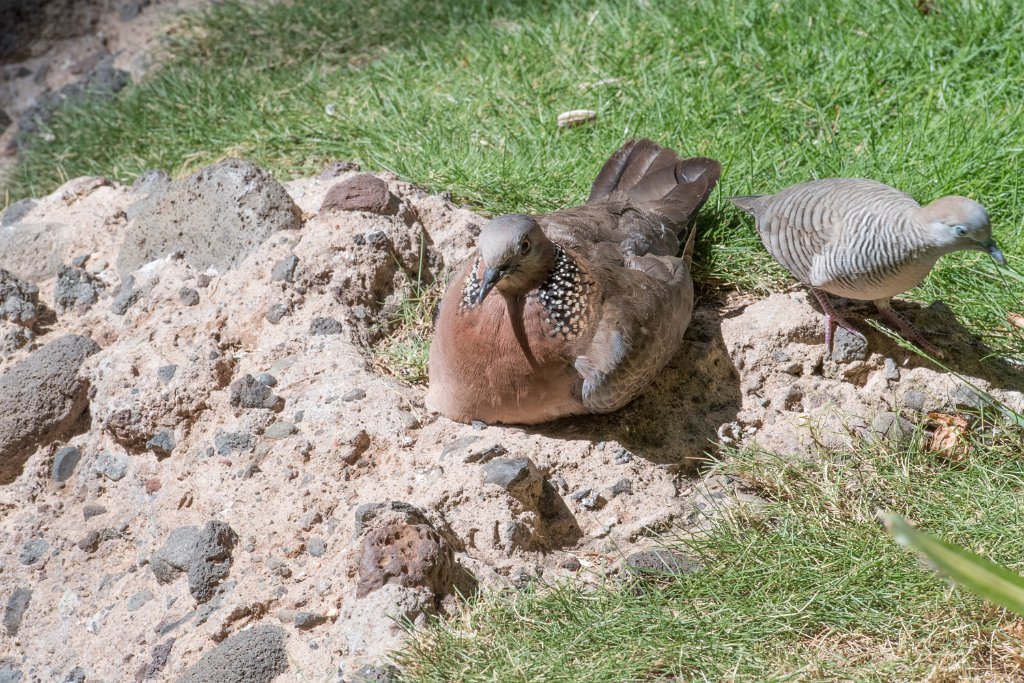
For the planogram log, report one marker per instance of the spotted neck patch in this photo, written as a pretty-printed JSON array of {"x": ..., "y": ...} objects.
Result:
[
  {"x": 564, "y": 296},
  {"x": 471, "y": 287}
]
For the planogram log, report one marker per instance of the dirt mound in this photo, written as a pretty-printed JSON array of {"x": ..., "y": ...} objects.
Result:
[{"x": 238, "y": 472}]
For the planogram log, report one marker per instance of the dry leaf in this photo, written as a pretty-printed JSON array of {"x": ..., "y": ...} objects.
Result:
[
  {"x": 1016, "y": 319},
  {"x": 950, "y": 437},
  {"x": 576, "y": 117},
  {"x": 926, "y": 7}
]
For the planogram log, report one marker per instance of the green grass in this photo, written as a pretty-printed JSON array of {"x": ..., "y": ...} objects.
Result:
[
  {"x": 464, "y": 95},
  {"x": 810, "y": 587}
]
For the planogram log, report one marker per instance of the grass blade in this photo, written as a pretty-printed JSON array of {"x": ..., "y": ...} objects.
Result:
[{"x": 975, "y": 573}]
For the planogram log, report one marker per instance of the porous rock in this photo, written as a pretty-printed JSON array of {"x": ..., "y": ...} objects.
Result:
[
  {"x": 76, "y": 289},
  {"x": 362, "y": 192},
  {"x": 255, "y": 655},
  {"x": 17, "y": 603},
  {"x": 661, "y": 561},
  {"x": 41, "y": 398},
  {"x": 206, "y": 555},
  {"x": 19, "y": 300},
  {"x": 214, "y": 218},
  {"x": 410, "y": 555}
]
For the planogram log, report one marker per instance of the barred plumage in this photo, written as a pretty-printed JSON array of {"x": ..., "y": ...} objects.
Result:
[{"x": 864, "y": 240}]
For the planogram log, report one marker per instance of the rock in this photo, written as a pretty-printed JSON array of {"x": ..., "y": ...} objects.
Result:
[
  {"x": 41, "y": 399},
  {"x": 247, "y": 392},
  {"x": 91, "y": 542},
  {"x": 16, "y": 211},
  {"x": 205, "y": 555},
  {"x": 33, "y": 551},
  {"x": 92, "y": 510},
  {"x": 76, "y": 290},
  {"x": 211, "y": 560},
  {"x": 102, "y": 83},
  {"x": 966, "y": 397},
  {"x": 126, "y": 296},
  {"x": 316, "y": 546},
  {"x": 588, "y": 498},
  {"x": 166, "y": 373},
  {"x": 790, "y": 398},
  {"x": 266, "y": 379},
  {"x": 307, "y": 620},
  {"x": 152, "y": 485},
  {"x": 847, "y": 347},
  {"x": 409, "y": 555},
  {"x": 8, "y": 674},
  {"x": 228, "y": 208},
  {"x": 660, "y": 561},
  {"x": 369, "y": 673},
  {"x": 130, "y": 10},
  {"x": 276, "y": 313},
  {"x": 17, "y": 603},
  {"x": 472, "y": 449},
  {"x": 622, "y": 456},
  {"x": 280, "y": 430},
  {"x": 157, "y": 661},
  {"x": 139, "y": 599},
  {"x": 353, "y": 395},
  {"x": 151, "y": 181},
  {"x": 621, "y": 486},
  {"x": 914, "y": 400},
  {"x": 188, "y": 296},
  {"x": 366, "y": 513},
  {"x": 284, "y": 270},
  {"x": 233, "y": 442},
  {"x": 113, "y": 466},
  {"x": 890, "y": 371},
  {"x": 891, "y": 426},
  {"x": 255, "y": 655},
  {"x": 511, "y": 474},
  {"x": 162, "y": 443},
  {"x": 336, "y": 168},
  {"x": 76, "y": 675},
  {"x": 571, "y": 563},
  {"x": 65, "y": 462},
  {"x": 325, "y": 326},
  {"x": 19, "y": 300},
  {"x": 362, "y": 192}
]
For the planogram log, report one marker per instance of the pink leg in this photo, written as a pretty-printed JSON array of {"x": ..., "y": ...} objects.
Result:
[
  {"x": 906, "y": 329},
  {"x": 832, "y": 318}
]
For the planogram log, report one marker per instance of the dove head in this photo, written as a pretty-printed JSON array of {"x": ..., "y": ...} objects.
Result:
[
  {"x": 959, "y": 224},
  {"x": 517, "y": 255}
]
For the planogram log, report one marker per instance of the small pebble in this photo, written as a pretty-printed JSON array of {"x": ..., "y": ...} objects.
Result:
[
  {"x": 316, "y": 546},
  {"x": 65, "y": 462},
  {"x": 280, "y": 430},
  {"x": 353, "y": 395},
  {"x": 166, "y": 373},
  {"x": 188, "y": 296}
]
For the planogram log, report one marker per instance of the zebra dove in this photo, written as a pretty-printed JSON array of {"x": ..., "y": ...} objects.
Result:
[
  {"x": 575, "y": 311},
  {"x": 864, "y": 240}
]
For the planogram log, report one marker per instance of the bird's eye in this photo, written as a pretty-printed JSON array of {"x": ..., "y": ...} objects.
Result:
[
  {"x": 524, "y": 246},
  {"x": 961, "y": 230}
]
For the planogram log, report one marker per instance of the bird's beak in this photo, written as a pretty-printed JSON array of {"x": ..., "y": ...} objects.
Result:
[
  {"x": 491, "y": 277},
  {"x": 993, "y": 250}
]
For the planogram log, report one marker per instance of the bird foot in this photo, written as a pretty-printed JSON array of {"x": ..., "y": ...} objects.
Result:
[
  {"x": 832, "y": 319},
  {"x": 909, "y": 333}
]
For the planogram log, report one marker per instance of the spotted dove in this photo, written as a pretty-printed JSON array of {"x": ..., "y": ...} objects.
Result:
[
  {"x": 575, "y": 311},
  {"x": 863, "y": 240}
]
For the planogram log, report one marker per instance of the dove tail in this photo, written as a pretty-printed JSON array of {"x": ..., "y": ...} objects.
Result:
[
  {"x": 748, "y": 202},
  {"x": 654, "y": 179}
]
